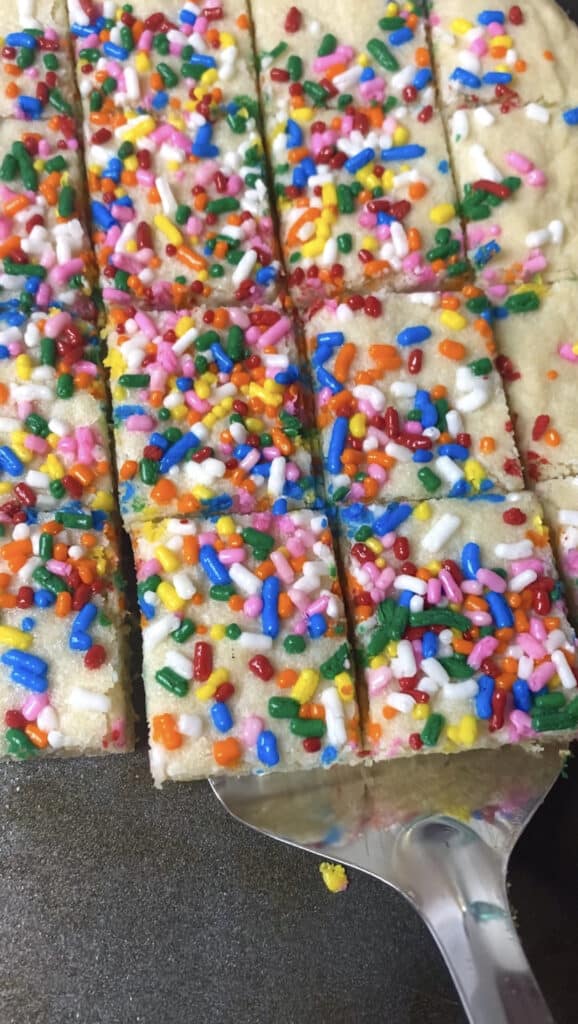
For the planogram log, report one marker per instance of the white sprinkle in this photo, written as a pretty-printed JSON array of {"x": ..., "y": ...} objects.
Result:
[
  {"x": 398, "y": 451},
  {"x": 84, "y": 700},
  {"x": 404, "y": 663},
  {"x": 520, "y": 549},
  {"x": 402, "y": 702},
  {"x": 244, "y": 267},
  {"x": 277, "y": 474},
  {"x": 484, "y": 167},
  {"x": 448, "y": 469},
  {"x": 563, "y": 669},
  {"x": 158, "y": 630},
  {"x": 567, "y": 517},
  {"x": 555, "y": 639},
  {"x": 461, "y": 691},
  {"x": 460, "y": 126},
  {"x": 522, "y": 580},
  {"x": 334, "y": 717},
  {"x": 244, "y": 579},
  {"x": 483, "y": 117},
  {"x": 184, "y": 585},
  {"x": 190, "y": 725},
  {"x": 179, "y": 663},
  {"x": 556, "y": 231},
  {"x": 525, "y": 666},
  {"x": 536, "y": 239},
  {"x": 412, "y": 583},
  {"x": 48, "y": 719},
  {"x": 536, "y": 112},
  {"x": 441, "y": 532},
  {"x": 474, "y": 399},
  {"x": 255, "y": 641},
  {"x": 435, "y": 670}
]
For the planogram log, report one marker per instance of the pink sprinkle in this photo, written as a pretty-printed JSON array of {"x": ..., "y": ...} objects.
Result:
[
  {"x": 566, "y": 351},
  {"x": 450, "y": 586},
  {"x": 55, "y": 324},
  {"x": 341, "y": 55},
  {"x": 140, "y": 423},
  {"x": 253, "y": 606},
  {"x": 538, "y": 629},
  {"x": 530, "y": 646},
  {"x": 64, "y": 271},
  {"x": 523, "y": 564},
  {"x": 36, "y": 444},
  {"x": 251, "y": 727},
  {"x": 377, "y": 680},
  {"x": 276, "y": 332},
  {"x": 58, "y": 568},
  {"x": 479, "y": 618},
  {"x": 229, "y": 556},
  {"x": 33, "y": 705},
  {"x": 519, "y": 162},
  {"x": 483, "y": 649},
  {"x": 536, "y": 178},
  {"x": 491, "y": 580},
  {"x": 541, "y": 675},
  {"x": 434, "y": 590},
  {"x": 284, "y": 570}
]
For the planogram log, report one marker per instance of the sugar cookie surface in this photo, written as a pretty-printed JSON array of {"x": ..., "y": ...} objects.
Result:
[{"x": 560, "y": 501}]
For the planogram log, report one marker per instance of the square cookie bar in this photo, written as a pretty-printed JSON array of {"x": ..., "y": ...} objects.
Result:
[
  {"x": 334, "y": 54},
  {"x": 365, "y": 196},
  {"x": 560, "y": 501},
  {"x": 503, "y": 52},
  {"x": 153, "y": 56},
  {"x": 63, "y": 685},
  {"x": 517, "y": 194},
  {"x": 539, "y": 365},
  {"x": 460, "y": 626},
  {"x": 54, "y": 450},
  {"x": 408, "y": 401},
  {"x": 210, "y": 412},
  {"x": 180, "y": 218},
  {"x": 246, "y": 660},
  {"x": 45, "y": 252},
  {"x": 36, "y": 70}
]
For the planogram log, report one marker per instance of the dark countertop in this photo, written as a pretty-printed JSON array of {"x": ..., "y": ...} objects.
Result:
[{"x": 126, "y": 905}]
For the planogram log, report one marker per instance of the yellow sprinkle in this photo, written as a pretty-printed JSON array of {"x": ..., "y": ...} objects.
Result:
[
  {"x": 167, "y": 228},
  {"x": 131, "y": 245},
  {"x": 254, "y": 425},
  {"x": 168, "y": 559},
  {"x": 12, "y": 637},
  {"x": 216, "y": 679},
  {"x": 54, "y": 467},
  {"x": 314, "y": 247},
  {"x": 217, "y": 632},
  {"x": 303, "y": 114},
  {"x": 202, "y": 493},
  {"x": 131, "y": 163},
  {"x": 501, "y": 41},
  {"x": 374, "y": 544},
  {"x": 391, "y": 649},
  {"x": 434, "y": 566},
  {"x": 136, "y": 128},
  {"x": 420, "y": 711},
  {"x": 452, "y": 319},
  {"x": 370, "y": 243},
  {"x": 442, "y": 213},
  {"x": 23, "y": 366},
  {"x": 226, "y": 526},
  {"x": 103, "y": 501},
  {"x": 306, "y": 685},
  {"x": 209, "y": 77},
  {"x": 422, "y": 511},
  {"x": 329, "y": 195},
  {"x": 459, "y": 26},
  {"x": 226, "y": 40},
  {"x": 334, "y": 876},
  {"x": 5, "y": 487},
  {"x": 179, "y": 412},
  {"x": 183, "y": 325},
  {"x": 345, "y": 687},
  {"x": 400, "y": 135},
  {"x": 168, "y": 595},
  {"x": 465, "y": 732},
  {"x": 378, "y": 662},
  {"x": 372, "y": 181},
  {"x": 142, "y": 62},
  {"x": 363, "y": 60},
  {"x": 474, "y": 472}
]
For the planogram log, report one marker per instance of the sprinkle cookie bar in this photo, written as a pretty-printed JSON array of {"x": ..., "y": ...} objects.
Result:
[
  {"x": 246, "y": 661},
  {"x": 408, "y": 401},
  {"x": 460, "y": 625},
  {"x": 62, "y": 678},
  {"x": 560, "y": 501},
  {"x": 36, "y": 71},
  {"x": 54, "y": 450},
  {"x": 210, "y": 412}
]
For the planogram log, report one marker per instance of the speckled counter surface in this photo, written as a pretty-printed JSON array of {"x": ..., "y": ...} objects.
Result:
[{"x": 125, "y": 905}]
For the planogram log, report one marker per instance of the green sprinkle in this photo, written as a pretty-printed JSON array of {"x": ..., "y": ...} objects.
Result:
[
  {"x": 390, "y": 24},
  {"x": 182, "y": 214},
  {"x": 295, "y": 68},
  {"x": 59, "y": 103},
  {"x": 457, "y": 666},
  {"x": 428, "y": 479},
  {"x": 294, "y": 644},
  {"x": 221, "y": 591},
  {"x": 149, "y": 471},
  {"x": 134, "y": 380},
  {"x": 432, "y": 730},
  {"x": 57, "y": 489},
  {"x": 440, "y": 617},
  {"x": 328, "y": 45},
  {"x": 336, "y": 663},
  {"x": 45, "y": 546},
  {"x": 481, "y": 367},
  {"x": 382, "y": 55},
  {"x": 308, "y": 727},
  {"x": 345, "y": 201},
  {"x": 57, "y": 163},
  {"x": 344, "y": 242},
  {"x": 550, "y": 701},
  {"x": 227, "y": 204},
  {"x": 523, "y": 302},
  {"x": 233, "y": 631},
  {"x": 19, "y": 745},
  {"x": 65, "y": 385},
  {"x": 37, "y": 425},
  {"x": 378, "y": 641},
  {"x": 49, "y": 580},
  {"x": 283, "y": 707},
  {"x": 172, "y": 681},
  {"x": 184, "y": 632},
  {"x": 257, "y": 539}
]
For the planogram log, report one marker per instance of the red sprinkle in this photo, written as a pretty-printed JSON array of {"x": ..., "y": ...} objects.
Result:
[
  {"x": 293, "y": 20},
  {"x": 541, "y": 424},
  {"x": 202, "y": 661},
  {"x": 261, "y": 667},
  {"x": 514, "y": 517},
  {"x": 95, "y": 657},
  {"x": 493, "y": 187}
]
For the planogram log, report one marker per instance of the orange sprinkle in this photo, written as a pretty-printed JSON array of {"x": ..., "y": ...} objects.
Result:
[{"x": 227, "y": 753}]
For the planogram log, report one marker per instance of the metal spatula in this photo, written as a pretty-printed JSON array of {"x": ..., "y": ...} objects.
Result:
[{"x": 438, "y": 829}]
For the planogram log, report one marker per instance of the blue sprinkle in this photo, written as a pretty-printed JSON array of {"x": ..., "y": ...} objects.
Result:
[
  {"x": 81, "y": 30},
  {"x": 329, "y": 755},
  {"x": 202, "y": 142},
  {"x": 497, "y": 78},
  {"x": 178, "y": 451},
  {"x": 184, "y": 383},
  {"x": 413, "y": 335},
  {"x": 267, "y": 751},
  {"x": 459, "y": 489},
  {"x": 159, "y": 441},
  {"x": 9, "y": 461},
  {"x": 25, "y": 662},
  {"x": 28, "y": 624},
  {"x": 221, "y": 716},
  {"x": 288, "y": 376},
  {"x": 422, "y": 78},
  {"x": 317, "y": 626},
  {"x": 279, "y": 507},
  {"x": 355, "y": 163},
  {"x": 471, "y": 560},
  {"x": 101, "y": 215},
  {"x": 331, "y": 338},
  {"x": 79, "y": 641},
  {"x": 265, "y": 275},
  {"x": 85, "y": 618},
  {"x": 213, "y": 568},
  {"x": 395, "y": 514},
  {"x": 489, "y": 17},
  {"x": 400, "y": 36},
  {"x": 571, "y": 116},
  {"x": 327, "y": 380},
  {"x": 410, "y": 152},
  {"x": 204, "y": 59},
  {"x": 443, "y": 167},
  {"x": 522, "y": 695},
  {"x": 21, "y": 39},
  {"x": 384, "y": 218},
  {"x": 484, "y": 253},
  {"x": 422, "y": 455},
  {"x": 500, "y": 610},
  {"x": 224, "y": 362},
  {"x": 465, "y": 78},
  {"x": 116, "y": 52},
  {"x": 367, "y": 75},
  {"x": 270, "y": 611},
  {"x": 30, "y": 681},
  {"x": 30, "y": 106},
  {"x": 189, "y": 17},
  {"x": 486, "y": 686},
  {"x": 454, "y": 451},
  {"x": 429, "y": 645},
  {"x": 337, "y": 444},
  {"x": 160, "y": 100},
  {"x": 32, "y": 285},
  {"x": 4, "y": 352},
  {"x": 294, "y": 134},
  {"x": 404, "y": 598}
]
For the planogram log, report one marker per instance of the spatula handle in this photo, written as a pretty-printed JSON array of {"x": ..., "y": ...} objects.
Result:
[{"x": 457, "y": 883}]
